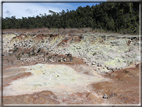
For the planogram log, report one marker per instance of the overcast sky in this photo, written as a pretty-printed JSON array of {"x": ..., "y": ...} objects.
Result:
[{"x": 32, "y": 9}]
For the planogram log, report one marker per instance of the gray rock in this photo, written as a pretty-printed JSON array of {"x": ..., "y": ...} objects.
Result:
[
  {"x": 105, "y": 96},
  {"x": 93, "y": 64}
]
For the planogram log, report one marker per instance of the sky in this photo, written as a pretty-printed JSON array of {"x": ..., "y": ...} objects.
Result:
[{"x": 33, "y": 9}]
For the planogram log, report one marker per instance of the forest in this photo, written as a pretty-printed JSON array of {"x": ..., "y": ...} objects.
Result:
[{"x": 115, "y": 17}]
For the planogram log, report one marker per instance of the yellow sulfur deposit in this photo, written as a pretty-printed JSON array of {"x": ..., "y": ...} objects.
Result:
[{"x": 48, "y": 77}]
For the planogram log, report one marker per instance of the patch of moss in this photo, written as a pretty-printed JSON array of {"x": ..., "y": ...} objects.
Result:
[{"x": 49, "y": 57}]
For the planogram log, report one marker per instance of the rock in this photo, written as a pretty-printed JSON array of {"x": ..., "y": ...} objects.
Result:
[
  {"x": 113, "y": 75},
  {"x": 105, "y": 96},
  {"x": 93, "y": 64},
  {"x": 88, "y": 63}
]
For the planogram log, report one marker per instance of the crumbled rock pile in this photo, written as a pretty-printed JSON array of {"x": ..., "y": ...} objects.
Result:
[{"x": 103, "y": 52}]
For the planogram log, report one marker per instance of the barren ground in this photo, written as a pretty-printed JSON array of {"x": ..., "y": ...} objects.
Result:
[{"x": 54, "y": 78}]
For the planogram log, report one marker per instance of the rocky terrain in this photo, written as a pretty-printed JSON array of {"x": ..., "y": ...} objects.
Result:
[{"x": 70, "y": 66}]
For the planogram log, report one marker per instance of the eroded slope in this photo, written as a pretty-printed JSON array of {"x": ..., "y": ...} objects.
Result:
[{"x": 65, "y": 66}]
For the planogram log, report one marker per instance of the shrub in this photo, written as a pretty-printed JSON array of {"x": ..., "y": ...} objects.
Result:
[
  {"x": 33, "y": 54},
  {"x": 94, "y": 53},
  {"x": 22, "y": 53},
  {"x": 49, "y": 57},
  {"x": 15, "y": 49},
  {"x": 18, "y": 56},
  {"x": 29, "y": 53}
]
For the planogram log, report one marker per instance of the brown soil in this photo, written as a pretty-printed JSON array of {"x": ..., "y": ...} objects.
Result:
[
  {"x": 124, "y": 89},
  {"x": 44, "y": 97},
  {"x": 8, "y": 79}
]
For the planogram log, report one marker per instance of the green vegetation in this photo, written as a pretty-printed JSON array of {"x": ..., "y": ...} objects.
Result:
[
  {"x": 22, "y": 53},
  {"x": 33, "y": 54},
  {"x": 49, "y": 57},
  {"x": 15, "y": 49},
  {"x": 18, "y": 56},
  {"x": 29, "y": 53},
  {"x": 115, "y": 17}
]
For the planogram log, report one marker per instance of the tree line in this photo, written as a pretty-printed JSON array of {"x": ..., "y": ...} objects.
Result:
[{"x": 116, "y": 17}]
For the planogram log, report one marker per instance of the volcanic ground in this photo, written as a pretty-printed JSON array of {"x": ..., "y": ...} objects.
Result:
[{"x": 70, "y": 66}]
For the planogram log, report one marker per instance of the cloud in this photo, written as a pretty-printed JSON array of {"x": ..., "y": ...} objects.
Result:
[
  {"x": 32, "y": 9},
  {"x": 28, "y": 10},
  {"x": 7, "y": 12}
]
